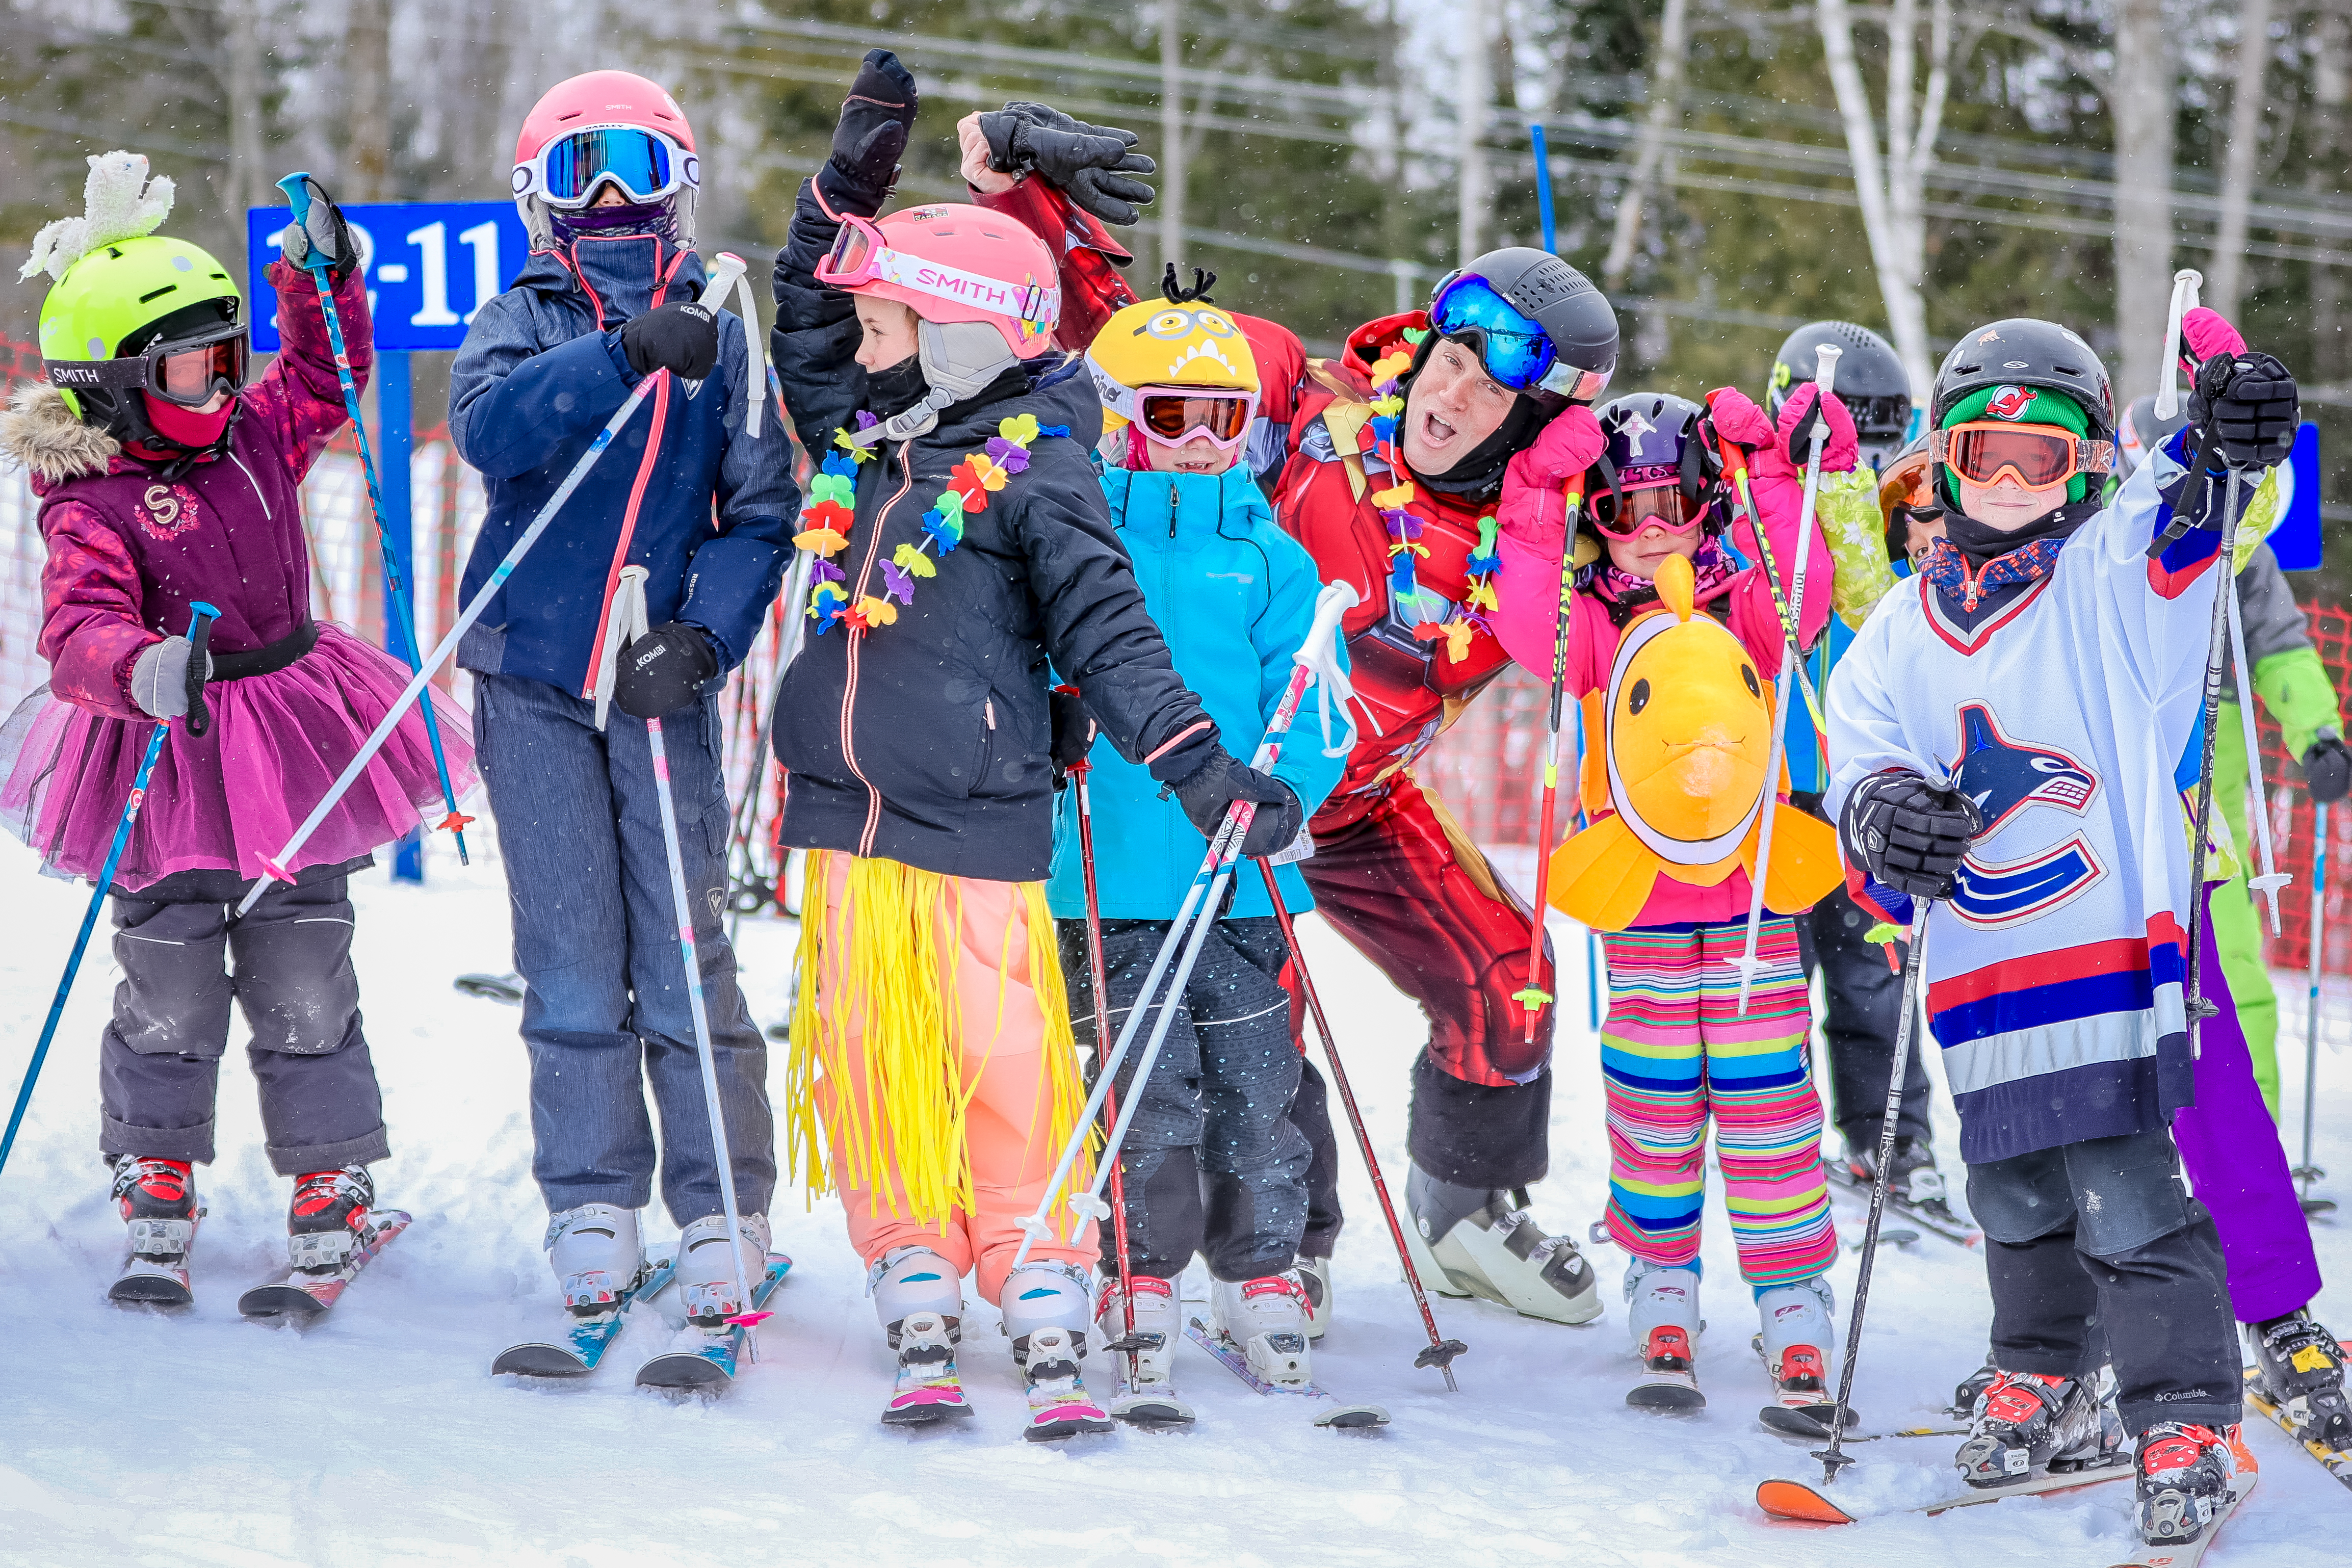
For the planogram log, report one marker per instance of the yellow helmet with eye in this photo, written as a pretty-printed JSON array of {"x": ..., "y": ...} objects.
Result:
[{"x": 1167, "y": 342}]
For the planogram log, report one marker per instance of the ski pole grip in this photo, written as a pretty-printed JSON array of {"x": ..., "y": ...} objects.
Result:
[
  {"x": 724, "y": 271},
  {"x": 201, "y": 617},
  {"x": 297, "y": 186},
  {"x": 1334, "y": 601},
  {"x": 1826, "y": 356},
  {"x": 2185, "y": 284}
]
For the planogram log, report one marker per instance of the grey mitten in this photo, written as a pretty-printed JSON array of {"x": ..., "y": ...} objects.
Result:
[
  {"x": 159, "y": 678},
  {"x": 321, "y": 236}
]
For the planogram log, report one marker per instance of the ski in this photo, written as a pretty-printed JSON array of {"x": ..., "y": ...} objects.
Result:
[
  {"x": 1937, "y": 1217},
  {"x": 585, "y": 1344},
  {"x": 1803, "y": 1426},
  {"x": 712, "y": 1362},
  {"x": 1807, "y": 1421},
  {"x": 1058, "y": 1404},
  {"x": 302, "y": 1299},
  {"x": 1802, "y": 1503},
  {"x": 1228, "y": 1355},
  {"x": 2338, "y": 1462},
  {"x": 143, "y": 1281},
  {"x": 930, "y": 1390},
  {"x": 2187, "y": 1554}
]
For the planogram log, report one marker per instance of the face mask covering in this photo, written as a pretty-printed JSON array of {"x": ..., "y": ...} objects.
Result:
[
  {"x": 650, "y": 217},
  {"x": 896, "y": 389},
  {"x": 185, "y": 425}
]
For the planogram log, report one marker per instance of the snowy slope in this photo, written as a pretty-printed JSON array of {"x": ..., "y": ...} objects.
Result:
[{"x": 377, "y": 1438}]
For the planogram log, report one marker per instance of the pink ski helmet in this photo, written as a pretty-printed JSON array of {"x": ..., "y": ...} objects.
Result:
[
  {"x": 605, "y": 128},
  {"x": 952, "y": 262}
]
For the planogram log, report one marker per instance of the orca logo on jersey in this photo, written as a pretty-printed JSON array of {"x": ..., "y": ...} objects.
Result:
[
  {"x": 2003, "y": 777},
  {"x": 2009, "y": 402}
]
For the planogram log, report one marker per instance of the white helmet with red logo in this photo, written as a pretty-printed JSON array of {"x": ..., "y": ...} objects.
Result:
[{"x": 604, "y": 128}]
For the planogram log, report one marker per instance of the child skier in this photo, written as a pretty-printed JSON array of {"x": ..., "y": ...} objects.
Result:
[
  {"x": 605, "y": 178},
  {"x": 1212, "y": 1162},
  {"x": 1676, "y": 1050},
  {"x": 167, "y": 480},
  {"x": 963, "y": 542},
  {"x": 2004, "y": 738}
]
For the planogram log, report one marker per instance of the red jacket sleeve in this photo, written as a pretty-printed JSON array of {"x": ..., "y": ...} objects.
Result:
[
  {"x": 299, "y": 399},
  {"x": 92, "y": 628}
]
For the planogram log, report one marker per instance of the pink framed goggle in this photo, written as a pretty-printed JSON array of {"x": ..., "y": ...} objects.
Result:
[
  {"x": 861, "y": 255},
  {"x": 1174, "y": 416}
]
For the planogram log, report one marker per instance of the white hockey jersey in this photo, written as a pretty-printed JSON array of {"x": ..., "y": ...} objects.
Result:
[{"x": 2057, "y": 972}]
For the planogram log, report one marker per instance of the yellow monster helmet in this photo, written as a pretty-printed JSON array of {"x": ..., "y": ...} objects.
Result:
[{"x": 1181, "y": 339}]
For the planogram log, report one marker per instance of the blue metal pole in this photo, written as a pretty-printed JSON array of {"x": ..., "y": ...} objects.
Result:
[
  {"x": 1543, "y": 187},
  {"x": 395, "y": 419}
]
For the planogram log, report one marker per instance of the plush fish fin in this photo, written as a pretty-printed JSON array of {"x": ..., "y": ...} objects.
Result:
[
  {"x": 1602, "y": 876},
  {"x": 1805, "y": 864}
]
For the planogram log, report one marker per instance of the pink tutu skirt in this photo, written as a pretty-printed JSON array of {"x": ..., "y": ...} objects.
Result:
[{"x": 223, "y": 800}]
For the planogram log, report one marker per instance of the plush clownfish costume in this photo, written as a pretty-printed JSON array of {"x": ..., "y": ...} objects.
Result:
[{"x": 1685, "y": 738}]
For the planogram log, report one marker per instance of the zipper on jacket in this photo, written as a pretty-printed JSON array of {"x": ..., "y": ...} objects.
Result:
[
  {"x": 266, "y": 514},
  {"x": 857, "y": 641},
  {"x": 989, "y": 710}
]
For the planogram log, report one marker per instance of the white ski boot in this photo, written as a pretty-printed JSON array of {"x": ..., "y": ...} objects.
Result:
[
  {"x": 1046, "y": 1309},
  {"x": 909, "y": 1279},
  {"x": 597, "y": 1256},
  {"x": 1267, "y": 1319},
  {"x": 1661, "y": 1310},
  {"x": 1799, "y": 1325},
  {"x": 707, "y": 1279},
  {"x": 1315, "y": 1276},
  {"x": 1147, "y": 1394},
  {"x": 1467, "y": 1241}
]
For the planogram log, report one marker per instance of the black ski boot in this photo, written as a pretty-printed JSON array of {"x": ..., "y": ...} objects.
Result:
[
  {"x": 2028, "y": 1423},
  {"x": 157, "y": 1199},
  {"x": 1972, "y": 1387},
  {"x": 1914, "y": 1178},
  {"x": 322, "y": 1225},
  {"x": 2302, "y": 1372},
  {"x": 2185, "y": 1477}
]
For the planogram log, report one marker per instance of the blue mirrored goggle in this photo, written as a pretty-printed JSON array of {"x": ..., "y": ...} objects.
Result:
[
  {"x": 639, "y": 162},
  {"x": 1516, "y": 352}
]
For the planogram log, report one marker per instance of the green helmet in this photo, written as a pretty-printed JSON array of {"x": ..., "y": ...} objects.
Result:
[{"x": 123, "y": 301}]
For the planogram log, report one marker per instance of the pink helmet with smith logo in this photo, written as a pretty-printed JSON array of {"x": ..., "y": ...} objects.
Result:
[
  {"x": 605, "y": 128},
  {"x": 950, "y": 262}
]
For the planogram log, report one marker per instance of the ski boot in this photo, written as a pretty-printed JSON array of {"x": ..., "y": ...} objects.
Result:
[
  {"x": 928, "y": 1389},
  {"x": 597, "y": 1256},
  {"x": 2027, "y": 1422},
  {"x": 2301, "y": 1370},
  {"x": 323, "y": 1222},
  {"x": 1046, "y": 1309},
  {"x": 707, "y": 1279},
  {"x": 1266, "y": 1317},
  {"x": 1157, "y": 1326},
  {"x": 2185, "y": 1477},
  {"x": 157, "y": 1199},
  {"x": 909, "y": 1279},
  {"x": 1470, "y": 1241},
  {"x": 1799, "y": 1324},
  {"x": 1315, "y": 1277},
  {"x": 1661, "y": 1310},
  {"x": 1971, "y": 1389},
  {"x": 1914, "y": 1178}
]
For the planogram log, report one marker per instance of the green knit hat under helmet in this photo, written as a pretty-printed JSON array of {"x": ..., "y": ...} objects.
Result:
[{"x": 2041, "y": 405}]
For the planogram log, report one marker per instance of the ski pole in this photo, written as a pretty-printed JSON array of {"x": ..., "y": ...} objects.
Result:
[
  {"x": 298, "y": 188},
  {"x": 2308, "y": 1173},
  {"x": 1833, "y": 1458},
  {"x": 2209, "y": 718},
  {"x": 1215, "y": 870},
  {"x": 2185, "y": 284},
  {"x": 1097, "y": 974},
  {"x": 723, "y": 278},
  {"x": 1534, "y": 999},
  {"x": 1543, "y": 205},
  {"x": 1735, "y": 462},
  {"x": 1792, "y": 661},
  {"x": 1441, "y": 1351},
  {"x": 2271, "y": 879},
  {"x": 788, "y": 647},
  {"x": 201, "y": 616}
]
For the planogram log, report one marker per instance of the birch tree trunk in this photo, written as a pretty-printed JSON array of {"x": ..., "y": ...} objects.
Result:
[
  {"x": 1473, "y": 96},
  {"x": 1171, "y": 135},
  {"x": 2140, "y": 100},
  {"x": 248, "y": 178},
  {"x": 367, "y": 87},
  {"x": 1649, "y": 150},
  {"x": 2247, "y": 103},
  {"x": 2331, "y": 149}
]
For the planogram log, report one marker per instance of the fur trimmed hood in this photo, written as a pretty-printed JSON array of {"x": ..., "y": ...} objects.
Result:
[{"x": 38, "y": 431}]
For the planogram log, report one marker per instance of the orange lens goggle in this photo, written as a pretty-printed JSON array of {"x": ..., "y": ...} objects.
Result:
[
  {"x": 2037, "y": 456},
  {"x": 1176, "y": 416}
]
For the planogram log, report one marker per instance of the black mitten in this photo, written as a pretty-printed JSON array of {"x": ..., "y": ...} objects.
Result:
[
  {"x": 872, "y": 131},
  {"x": 1910, "y": 834},
  {"x": 664, "y": 671},
  {"x": 2327, "y": 770},
  {"x": 1209, "y": 792},
  {"x": 1073, "y": 732},
  {"x": 681, "y": 337}
]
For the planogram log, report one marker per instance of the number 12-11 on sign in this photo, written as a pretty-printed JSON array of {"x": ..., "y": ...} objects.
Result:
[{"x": 429, "y": 266}]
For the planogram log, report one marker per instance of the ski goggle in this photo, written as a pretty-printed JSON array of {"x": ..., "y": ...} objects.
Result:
[
  {"x": 1176, "y": 415},
  {"x": 860, "y": 256},
  {"x": 645, "y": 164},
  {"x": 1665, "y": 505},
  {"x": 2037, "y": 456},
  {"x": 1516, "y": 352},
  {"x": 188, "y": 372}
]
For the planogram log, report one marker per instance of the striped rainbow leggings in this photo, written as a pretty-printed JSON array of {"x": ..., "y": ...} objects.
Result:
[{"x": 1674, "y": 1048}]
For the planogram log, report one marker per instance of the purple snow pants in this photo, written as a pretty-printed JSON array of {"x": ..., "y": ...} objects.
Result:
[{"x": 2238, "y": 1168}]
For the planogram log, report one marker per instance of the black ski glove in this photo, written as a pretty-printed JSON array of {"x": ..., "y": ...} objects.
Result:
[
  {"x": 664, "y": 671},
  {"x": 681, "y": 337},
  {"x": 1909, "y": 834},
  {"x": 2328, "y": 769},
  {"x": 872, "y": 131},
  {"x": 2247, "y": 407},
  {"x": 1073, "y": 733},
  {"x": 1092, "y": 163},
  {"x": 322, "y": 231},
  {"x": 1209, "y": 791}
]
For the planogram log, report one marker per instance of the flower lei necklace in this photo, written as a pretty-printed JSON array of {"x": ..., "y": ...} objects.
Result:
[
  {"x": 832, "y": 501},
  {"x": 1406, "y": 527}
]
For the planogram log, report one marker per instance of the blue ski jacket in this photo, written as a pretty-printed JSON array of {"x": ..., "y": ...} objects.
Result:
[
  {"x": 681, "y": 491},
  {"x": 1233, "y": 596}
]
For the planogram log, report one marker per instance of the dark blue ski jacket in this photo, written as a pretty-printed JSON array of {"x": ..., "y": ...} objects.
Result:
[{"x": 681, "y": 491}]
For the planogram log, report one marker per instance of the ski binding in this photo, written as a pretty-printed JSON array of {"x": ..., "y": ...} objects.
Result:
[
  {"x": 589, "y": 1338},
  {"x": 713, "y": 1362},
  {"x": 1228, "y": 1355},
  {"x": 300, "y": 1297}
]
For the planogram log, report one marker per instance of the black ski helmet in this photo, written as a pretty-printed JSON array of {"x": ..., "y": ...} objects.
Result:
[
  {"x": 2141, "y": 432},
  {"x": 1871, "y": 381},
  {"x": 1575, "y": 315},
  {"x": 1653, "y": 440},
  {"x": 2023, "y": 351}
]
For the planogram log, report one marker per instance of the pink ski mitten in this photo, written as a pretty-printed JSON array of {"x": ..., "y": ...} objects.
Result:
[
  {"x": 1533, "y": 510},
  {"x": 2205, "y": 333}
]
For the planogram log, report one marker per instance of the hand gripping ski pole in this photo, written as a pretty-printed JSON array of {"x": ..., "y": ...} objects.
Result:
[
  {"x": 723, "y": 275},
  {"x": 201, "y": 616},
  {"x": 298, "y": 188},
  {"x": 1209, "y": 885},
  {"x": 1792, "y": 658},
  {"x": 2307, "y": 1172},
  {"x": 1834, "y": 1458},
  {"x": 1534, "y": 999},
  {"x": 1442, "y": 1350},
  {"x": 2271, "y": 879},
  {"x": 2224, "y": 597},
  {"x": 1735, "y": 463}
]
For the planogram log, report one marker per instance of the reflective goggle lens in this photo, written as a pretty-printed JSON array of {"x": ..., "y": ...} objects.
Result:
[
  {"x": 1665, "y": 505},
  {"x": 190, "y": 375},
  {"x": 1516, "y": 352},
  {"x": 2042, "y": 456},
  {"x": 1173, "y": 418},
  {"x": 852, "y": 251},
  {"x": 636, "y": 160}
]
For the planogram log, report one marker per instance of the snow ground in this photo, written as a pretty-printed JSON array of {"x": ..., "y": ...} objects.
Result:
[{"x": 378, "y": 1439}]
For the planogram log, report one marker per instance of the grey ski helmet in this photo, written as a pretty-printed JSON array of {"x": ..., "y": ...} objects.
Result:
[
  {"x": 1871, "y": 382},
  {"x": 1576, "y": 353},
  {"x": 2023, "y": 351}
]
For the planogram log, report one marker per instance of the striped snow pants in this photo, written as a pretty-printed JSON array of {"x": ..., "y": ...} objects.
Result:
[{"x": 1673, "y": 1050}]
